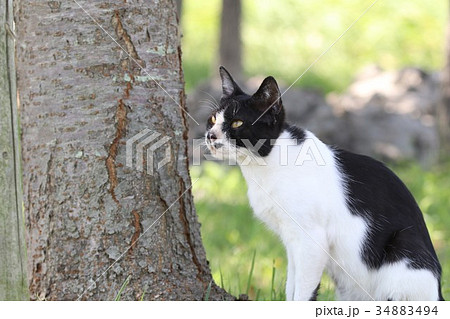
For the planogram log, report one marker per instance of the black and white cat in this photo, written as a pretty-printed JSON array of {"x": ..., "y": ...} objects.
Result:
[{"x": 334, "y": 210}]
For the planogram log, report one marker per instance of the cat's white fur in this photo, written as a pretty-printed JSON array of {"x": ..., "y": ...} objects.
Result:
[{"x": 309, "y": 213}]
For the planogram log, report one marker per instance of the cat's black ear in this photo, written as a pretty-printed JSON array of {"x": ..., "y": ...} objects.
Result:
[
  {"x": 268, "y": 96},
  {"x": 229, "y": 86}
]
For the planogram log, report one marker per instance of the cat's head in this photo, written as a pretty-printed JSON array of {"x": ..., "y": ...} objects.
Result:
[{"x": 245, "y": 123}]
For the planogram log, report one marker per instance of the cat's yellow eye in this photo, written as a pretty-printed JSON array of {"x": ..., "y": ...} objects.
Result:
[
  {"x": 236, "y": 123},
  {"x": 213, "y": 119}
]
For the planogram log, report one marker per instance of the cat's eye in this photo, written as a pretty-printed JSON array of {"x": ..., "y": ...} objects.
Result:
[
  {"x": 236, "y": 123},
  {"x": 213, "y": 119}
]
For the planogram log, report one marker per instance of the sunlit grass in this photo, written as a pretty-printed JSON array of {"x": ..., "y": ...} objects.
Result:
[
  {"x": 232, "y": 236},
  {"x": 282, "y": 38}
]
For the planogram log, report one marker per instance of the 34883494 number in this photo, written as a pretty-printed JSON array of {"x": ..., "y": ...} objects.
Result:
[{"x": 406, "y": 310}]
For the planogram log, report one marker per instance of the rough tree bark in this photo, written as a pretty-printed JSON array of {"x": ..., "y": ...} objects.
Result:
[
  {"x": 82, "y": 98},
  {"x": 230, "y": 46},
  {"x": 13, "y": 283},
  {"x": 444, "y": 106}
]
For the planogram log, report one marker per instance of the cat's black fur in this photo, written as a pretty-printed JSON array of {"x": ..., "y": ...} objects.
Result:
[
  {"x": 240, "y": 105},
  {"x": 398, "y": 229}
]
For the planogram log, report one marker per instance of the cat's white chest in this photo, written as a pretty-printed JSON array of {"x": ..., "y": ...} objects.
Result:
[
  {"x": 264, "y": 204},
  {"x": 282, "y": 197}
]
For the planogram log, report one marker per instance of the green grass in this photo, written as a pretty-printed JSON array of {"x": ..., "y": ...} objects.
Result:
[
  {"x": 247, "y": 258},
  {"x": 284, "y": 37}
]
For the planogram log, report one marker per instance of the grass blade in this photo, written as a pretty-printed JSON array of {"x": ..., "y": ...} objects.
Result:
[
  {"x": 208, "y": 291},
  {"x": 239, "y": 284},
  {"x": 250, "y": 275},
  {"x": 124, "y": 285},
  {"x": 221, "y": 278},
  {"x": 257, "y": 294},
  {"x": 272, "y": 287}
]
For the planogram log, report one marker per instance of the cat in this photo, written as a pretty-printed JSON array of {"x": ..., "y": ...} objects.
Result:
[{"x": 337, "y": 211}]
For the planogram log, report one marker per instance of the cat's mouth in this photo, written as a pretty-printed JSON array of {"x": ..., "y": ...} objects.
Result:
[
  {"x": 218, "y": 148},
  {"x": 214, "y": 145}
]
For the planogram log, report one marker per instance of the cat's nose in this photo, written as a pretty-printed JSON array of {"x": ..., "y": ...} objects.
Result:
[{"x": 211, "y": 136}]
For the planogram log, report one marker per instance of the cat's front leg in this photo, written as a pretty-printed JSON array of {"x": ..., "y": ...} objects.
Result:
[
  {"x": 290, "y": 282},
  {"x": 308, "y": 259}
]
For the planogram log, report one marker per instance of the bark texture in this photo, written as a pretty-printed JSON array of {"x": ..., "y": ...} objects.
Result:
[
  {"x": 82, "y": 98},
  {"x": 230, "y": 37},
  {"x": 13, "y": 283}
]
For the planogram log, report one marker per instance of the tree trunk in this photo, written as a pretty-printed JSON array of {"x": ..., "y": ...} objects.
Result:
[
  {"x": 82, "y": 98},
  {"x": 13, "y": 282},
  {"x": 230, "y": 37},
  {"x": 444, "y": 106}
]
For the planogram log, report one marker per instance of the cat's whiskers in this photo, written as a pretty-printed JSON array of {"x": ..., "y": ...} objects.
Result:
[
  {"x": 214, "y": 101},
  {"x": 209, "y": 104}
]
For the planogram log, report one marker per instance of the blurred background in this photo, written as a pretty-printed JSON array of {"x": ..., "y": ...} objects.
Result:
[{"x": 382, "y": 90}]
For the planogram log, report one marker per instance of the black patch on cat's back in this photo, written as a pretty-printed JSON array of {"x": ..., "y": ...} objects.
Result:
[
  {"x": 397, "y": 229},
  {"x": 296, "y": 133}
]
